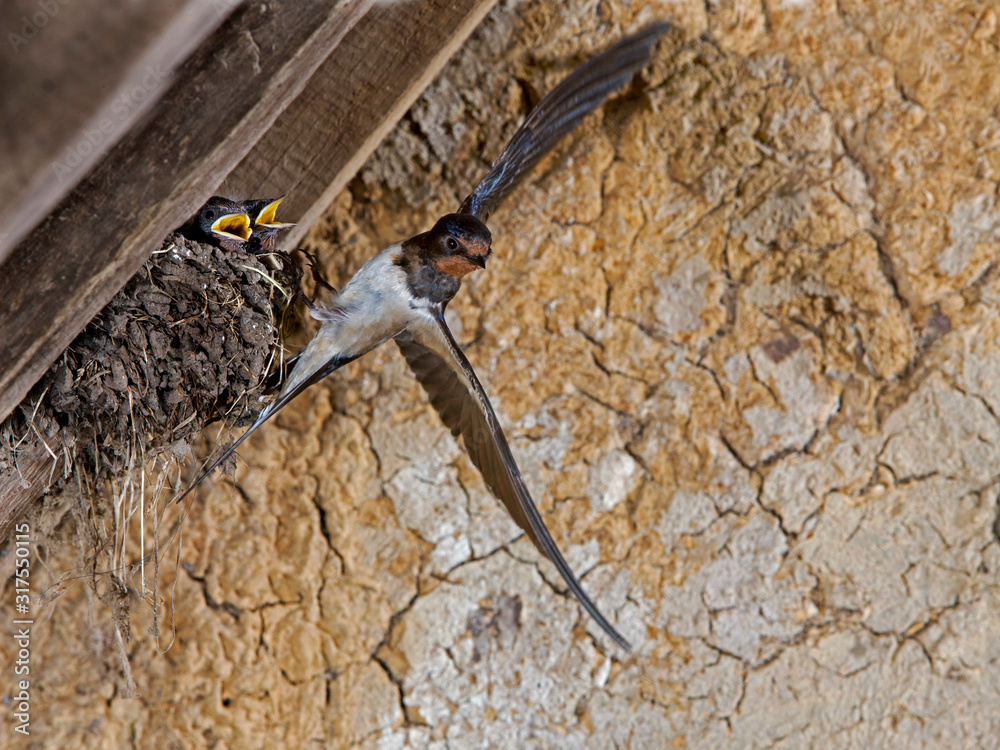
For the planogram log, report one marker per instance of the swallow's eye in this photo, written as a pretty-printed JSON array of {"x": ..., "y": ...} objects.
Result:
[
  {"x": 452, "y": 243},
  {"x": 210, "y": 214}
]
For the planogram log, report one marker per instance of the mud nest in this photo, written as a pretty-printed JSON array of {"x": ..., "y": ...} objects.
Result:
[{"x": 190, "y": 339}]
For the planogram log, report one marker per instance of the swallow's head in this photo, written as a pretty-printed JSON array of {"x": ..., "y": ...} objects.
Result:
[
  {"x": 457, "y": 244},
  {"x": 435, "y": 262},
  {"x": 223, "y": 220},
  {"x": 262, "y": 213}
]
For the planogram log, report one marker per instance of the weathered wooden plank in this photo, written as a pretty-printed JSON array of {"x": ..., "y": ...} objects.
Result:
[
  {"x": 19, "y": 491},
  {"x": 77, "y": 76},
  {"x": 320, "y": 142},
  {"x": 227, "y": 95}
]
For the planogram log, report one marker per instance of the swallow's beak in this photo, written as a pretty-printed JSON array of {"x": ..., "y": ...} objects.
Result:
[
  {"x": 480, "y": 251},
  {"x": 266, "y": 216},
  {"x": 236, "y": 226}
]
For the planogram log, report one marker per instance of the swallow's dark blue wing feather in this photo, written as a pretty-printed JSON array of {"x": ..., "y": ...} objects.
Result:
[
  {"x": 558, "y": 113},
  {"x": 459, "y": 399}
]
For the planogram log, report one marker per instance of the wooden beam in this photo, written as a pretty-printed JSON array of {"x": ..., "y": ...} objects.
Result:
[
  {"x": 323, "y": 139},
  {"x": 77, "y": 77},
  {"x": 226, "y": 96},
  {"x": 19, "y": 490}
]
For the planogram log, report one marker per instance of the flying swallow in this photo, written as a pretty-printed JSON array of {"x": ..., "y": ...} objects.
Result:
[
  {"x": 402, "y": 293},
  {"x": 263, "y": 224},
  {"x": 221, "y": 222}
]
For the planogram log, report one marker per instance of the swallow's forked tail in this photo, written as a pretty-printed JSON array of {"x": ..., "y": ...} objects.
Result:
[{"x": 298, "y": 382}]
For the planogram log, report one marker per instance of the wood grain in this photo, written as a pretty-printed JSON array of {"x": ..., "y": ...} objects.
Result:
[
  {"x": 77, "y": 76},
  {"x": 36, "y": 470}
]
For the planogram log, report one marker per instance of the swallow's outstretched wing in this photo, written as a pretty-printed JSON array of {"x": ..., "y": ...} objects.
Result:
[
  {"x": 558, "y": 113},
  {"x": 457, "y": 395}
]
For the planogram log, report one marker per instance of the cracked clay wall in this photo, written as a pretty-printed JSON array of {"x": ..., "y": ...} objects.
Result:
[{"x": 743, "y": 332}]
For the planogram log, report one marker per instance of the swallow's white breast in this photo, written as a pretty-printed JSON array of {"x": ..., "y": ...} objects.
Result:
[{"x": 373, "y": 306}]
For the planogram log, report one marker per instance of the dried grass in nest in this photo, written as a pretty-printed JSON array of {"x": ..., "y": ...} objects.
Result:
[{"x": 189, "y": 340}]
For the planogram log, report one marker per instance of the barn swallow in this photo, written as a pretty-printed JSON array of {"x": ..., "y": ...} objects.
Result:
[
  {"x": 264, "y": 226},
  {"x": 221, "y": 222},
  {"x": 402, "y": 293}
]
